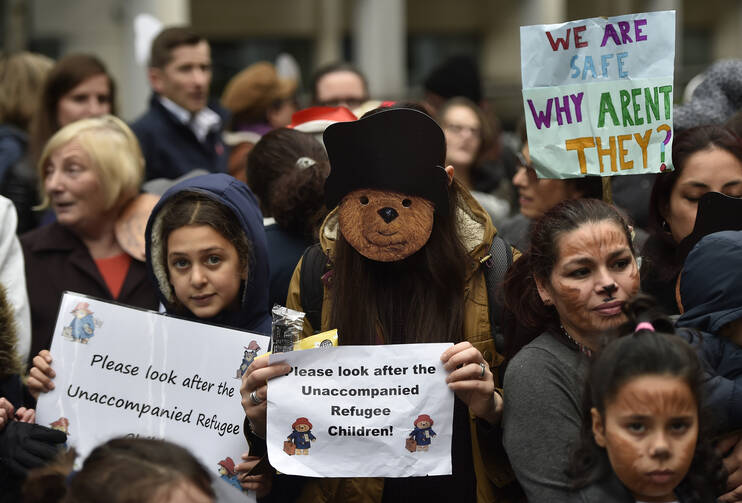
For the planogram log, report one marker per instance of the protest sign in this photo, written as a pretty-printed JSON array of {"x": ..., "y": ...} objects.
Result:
[
  {"x": 598, "y": 95},
  {"x": 128, "y": 372},
  {"x": 361, "y": 411}
]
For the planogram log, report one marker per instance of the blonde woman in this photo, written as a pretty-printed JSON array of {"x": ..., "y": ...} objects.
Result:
[{"x": 89, "y": 170}]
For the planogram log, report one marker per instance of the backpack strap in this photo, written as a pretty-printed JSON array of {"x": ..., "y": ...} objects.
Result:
[
  {"x": 497, "y": 264},
  {"x": 311, "y": 287}
]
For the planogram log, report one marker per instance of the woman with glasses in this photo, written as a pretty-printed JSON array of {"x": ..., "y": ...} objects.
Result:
[
  {"x": 468, "y": 137},
  {"x": 537, "y": 195}
]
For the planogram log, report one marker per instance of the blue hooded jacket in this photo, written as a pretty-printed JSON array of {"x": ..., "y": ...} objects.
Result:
[
  {"x": 711, "y": 295},
  {"x": 711, "y": 282},
  {"x": 235, "y": 195}
]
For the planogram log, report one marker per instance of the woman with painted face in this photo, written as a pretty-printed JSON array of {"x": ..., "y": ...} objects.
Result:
[
  {"x": 643, "y": 436},
  {"x": 707, "y": 158},
  {"x": 564, "y": 294}
]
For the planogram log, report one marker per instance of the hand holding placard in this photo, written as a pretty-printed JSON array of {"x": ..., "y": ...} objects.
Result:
[
  {"x": 139, "y": 376},
  {"x": 254, "y": 390},
  {"x": 472, "y": 381}
]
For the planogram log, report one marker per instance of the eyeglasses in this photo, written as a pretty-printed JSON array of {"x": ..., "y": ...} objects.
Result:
[
  {"x": 522, "y": 163},
  {"x": 460, "y": 128}
]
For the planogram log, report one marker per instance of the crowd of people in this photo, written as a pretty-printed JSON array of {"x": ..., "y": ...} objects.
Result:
[{"x": 597, "y": 344}]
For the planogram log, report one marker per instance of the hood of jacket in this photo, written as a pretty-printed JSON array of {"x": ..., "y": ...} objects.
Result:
[
  {"x": 254, "y": 314},
  {"x": 474, "y": 225},
  {"x": 711, "y": 282}
]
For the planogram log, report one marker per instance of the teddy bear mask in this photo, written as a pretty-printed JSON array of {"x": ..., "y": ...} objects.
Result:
[{"x": 387, "y": 180}]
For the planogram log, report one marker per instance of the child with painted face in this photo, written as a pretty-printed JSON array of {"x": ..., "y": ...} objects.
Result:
[{"x": 641, "y": 438}]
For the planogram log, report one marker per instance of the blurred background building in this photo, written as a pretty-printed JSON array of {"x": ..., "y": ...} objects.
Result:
[{"x": 395, "y": 42}]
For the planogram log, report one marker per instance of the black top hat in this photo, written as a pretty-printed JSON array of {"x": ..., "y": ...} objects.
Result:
[{"x": 401, "y": 150}]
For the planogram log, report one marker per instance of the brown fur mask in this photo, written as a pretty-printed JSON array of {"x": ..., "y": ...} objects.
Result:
[{"x": 385, "y": 226}]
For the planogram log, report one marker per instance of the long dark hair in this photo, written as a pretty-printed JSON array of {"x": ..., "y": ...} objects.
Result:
[
  {"x": 418, "y": 299},
  {"x": 526, "y": 315},
  {"x": 632, "y": 354},
  {"x": 658, "y": 256},
  {"x": 122, "y": 470},
  {"x": 68, "y": 73}
]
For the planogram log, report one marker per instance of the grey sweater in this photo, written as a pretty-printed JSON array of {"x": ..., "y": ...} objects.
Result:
[{"x": 542, "y": 415}]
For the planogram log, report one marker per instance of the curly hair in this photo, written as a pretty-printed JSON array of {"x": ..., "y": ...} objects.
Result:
[{"x": 286, "y": 170}]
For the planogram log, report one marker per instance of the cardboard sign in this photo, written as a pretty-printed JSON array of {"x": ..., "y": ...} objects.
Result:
[
  {"x": 598, "y": 95},
  {"x": 361, "y": 411},
  {"x": 130, "y": 372}
]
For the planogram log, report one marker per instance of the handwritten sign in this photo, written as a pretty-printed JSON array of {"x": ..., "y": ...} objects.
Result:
[
  {"x": 129, "y": 372},
  {"x": 598, "y": 95},
  {"x": 361, "y": 411}
]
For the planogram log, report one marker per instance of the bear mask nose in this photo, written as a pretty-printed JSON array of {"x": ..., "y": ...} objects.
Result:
[{"x": 388, "y": 214}]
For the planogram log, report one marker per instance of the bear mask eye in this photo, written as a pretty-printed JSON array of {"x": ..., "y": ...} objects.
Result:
[
  {"x": 406, "y": 203},
  {"x": 364, "y": 200}
]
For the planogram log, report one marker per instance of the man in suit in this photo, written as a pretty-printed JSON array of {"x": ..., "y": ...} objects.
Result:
[{"x": 181, "y": 131}]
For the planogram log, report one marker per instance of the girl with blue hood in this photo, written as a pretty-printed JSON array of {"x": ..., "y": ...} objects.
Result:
[{"x": 206, "y": 252}]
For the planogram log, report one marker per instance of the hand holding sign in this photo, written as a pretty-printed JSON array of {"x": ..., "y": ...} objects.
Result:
[
  {"x": 254, "y": 391},
  {"x": 41, "y": 374},
  {"x": 333, "y": 416},
  {"x": 139, "y": 376},
  {"x": 472, "y": 381}
]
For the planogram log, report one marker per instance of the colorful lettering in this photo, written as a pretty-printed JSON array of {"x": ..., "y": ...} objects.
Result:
[
  {"x": 606, "y": 107},
  {"x": 541, "y": 118},
  {"x": 580, "y": 144}
]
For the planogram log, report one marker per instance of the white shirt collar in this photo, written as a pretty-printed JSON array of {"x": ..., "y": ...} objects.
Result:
[{"x": 201, "y": 123}]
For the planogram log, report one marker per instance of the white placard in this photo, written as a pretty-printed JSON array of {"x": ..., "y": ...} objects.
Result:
[
  {"x": 123, "y": 371},
  {"x": 598, "y": 95},
  {"x": 354, "y": 411}
]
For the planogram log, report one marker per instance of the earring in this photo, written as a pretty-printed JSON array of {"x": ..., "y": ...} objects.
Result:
[{"x": 665, "y": 226}]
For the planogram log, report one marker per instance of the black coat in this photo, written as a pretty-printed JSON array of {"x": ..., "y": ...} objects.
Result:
[
  {"x": 56, "y": 260},
  {"x": 171, "y": 149}
]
